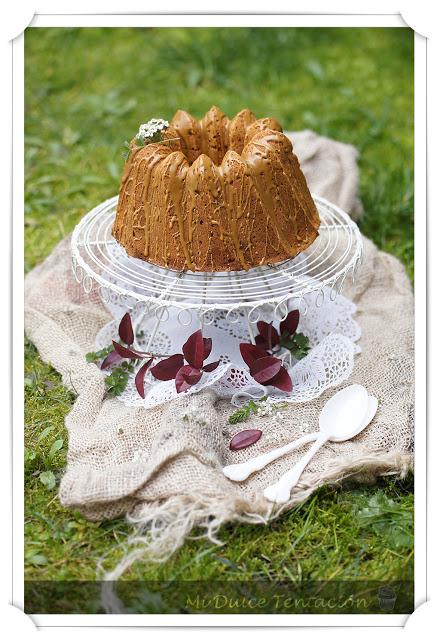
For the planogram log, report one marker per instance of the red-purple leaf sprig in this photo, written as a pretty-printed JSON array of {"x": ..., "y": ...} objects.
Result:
[
  {"x": 264, "y": 368},
  {"x": 126, "y": 334},
  {"x": 195, "y": 351},
  {"x": 122, "y": 352},
  {"x": 269, "y": 338},
  {"x": 185, "y": 368}
]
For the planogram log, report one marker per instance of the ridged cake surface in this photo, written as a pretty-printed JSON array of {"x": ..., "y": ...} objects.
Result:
[{"x": 226, "y": 195}]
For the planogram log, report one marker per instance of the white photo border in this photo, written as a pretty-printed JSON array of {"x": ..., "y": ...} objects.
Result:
[{"x": 236, "y": 620}]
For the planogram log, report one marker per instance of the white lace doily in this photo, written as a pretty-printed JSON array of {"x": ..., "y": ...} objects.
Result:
[{"x": 330, "y": 327}]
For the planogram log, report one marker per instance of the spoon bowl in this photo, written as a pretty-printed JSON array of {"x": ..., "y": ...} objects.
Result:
[
  {"x": 344, "y": 412},
  {"x": 369, "y": 415}
]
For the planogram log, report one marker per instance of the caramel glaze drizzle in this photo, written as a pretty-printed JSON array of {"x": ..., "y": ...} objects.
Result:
[
  {"x": 178, "y": 171},
  {"x": 233, "y": 208},
  {"x": 236, "y": 166},
  {"x": 260, "y": 169}
]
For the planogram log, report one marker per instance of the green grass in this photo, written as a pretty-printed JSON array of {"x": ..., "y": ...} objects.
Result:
[{"x": 87, "y": 90}]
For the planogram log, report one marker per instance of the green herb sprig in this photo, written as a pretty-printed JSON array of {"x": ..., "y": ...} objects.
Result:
[
  {"x": 116, "y": 382},
  {"x": 243, "y": 413},
  {"x": 298, "y": 344},
  {"x": 252, "y": 407},
  {"x": 94, "y": 356}
]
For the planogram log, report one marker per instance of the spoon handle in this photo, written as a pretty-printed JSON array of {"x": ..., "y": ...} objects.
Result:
[
  {"x": 242, "y": 470},
  {"x": 280, "y": 491}
]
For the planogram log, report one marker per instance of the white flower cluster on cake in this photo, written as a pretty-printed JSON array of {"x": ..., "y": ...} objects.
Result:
[{"x": 152, "y": 128}]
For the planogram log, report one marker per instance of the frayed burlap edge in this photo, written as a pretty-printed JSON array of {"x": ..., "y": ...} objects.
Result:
[{"x": 160, "y": 528}]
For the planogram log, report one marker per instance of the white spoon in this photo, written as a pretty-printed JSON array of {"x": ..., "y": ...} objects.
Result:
[
  {"x": 242, "y": 470},
  {"x": 345, "y": 415}
]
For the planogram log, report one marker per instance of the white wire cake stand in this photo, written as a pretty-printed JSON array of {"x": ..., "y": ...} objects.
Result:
[{"x": 165, "y": 304}]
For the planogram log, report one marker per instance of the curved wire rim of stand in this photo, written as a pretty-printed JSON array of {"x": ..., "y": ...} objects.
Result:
[{"x": 98, "y": 258}]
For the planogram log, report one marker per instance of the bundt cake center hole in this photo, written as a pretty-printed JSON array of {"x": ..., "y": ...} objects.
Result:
[
  {"x": 215, "y": 155},
  {"x": 205, "y": 145}
]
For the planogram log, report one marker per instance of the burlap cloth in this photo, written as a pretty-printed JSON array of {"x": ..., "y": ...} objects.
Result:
[{"x": 162, "y": 467}]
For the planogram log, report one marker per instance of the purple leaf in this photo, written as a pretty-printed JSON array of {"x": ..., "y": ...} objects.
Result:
[
  {"x": 194, "y": 349},
  {"x": 250, "y": 353},
  {"x": 140, "y": 377},
  {"x": 126, "y": 329},
  {"x": 125, "y": 352},
  {"x": 110, "y": 359},
  {"x": 290, "y": 324},
  {"x": 190, "y": 374},
  {"x": 281, "y": 381},
  {"x": 211, "y": 366},
  {"x": 182, "y": 383},
  {"x": 261, "y": 342},
  {"x": 268, "y": 333},
  {"x": 265, "y": 369},
  {"x": 207, "y": 346},
  {"x": 244, "y": 439},
  {"x": 167, "y": 369}
]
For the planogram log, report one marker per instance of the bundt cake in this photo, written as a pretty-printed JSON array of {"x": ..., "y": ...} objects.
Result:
[{"x": 219, "y": 195}]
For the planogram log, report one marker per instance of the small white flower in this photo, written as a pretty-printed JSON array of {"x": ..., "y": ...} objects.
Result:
[
  {"x": 151, "y": 128},
  {"x": 265, "y": 408}
]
